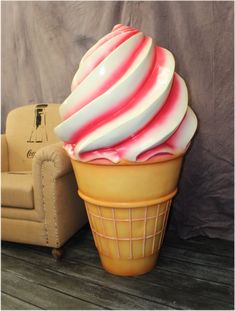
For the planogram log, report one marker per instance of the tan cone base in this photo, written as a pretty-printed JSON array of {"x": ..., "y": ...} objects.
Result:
[
  {"x": 128, "y": 233},
  {"x": 129, "y": 267},
  {"x": 128, "y": 239}
]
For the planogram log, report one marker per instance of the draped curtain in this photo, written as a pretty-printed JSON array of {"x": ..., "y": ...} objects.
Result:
[{"x": 42, "y": 45}]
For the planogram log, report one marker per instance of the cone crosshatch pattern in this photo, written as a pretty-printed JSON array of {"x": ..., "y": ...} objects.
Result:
[{"x": 128, "y": 233}]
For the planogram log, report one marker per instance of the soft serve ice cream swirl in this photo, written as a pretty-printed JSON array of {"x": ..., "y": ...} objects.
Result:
[{"x": 126, "y": 102}]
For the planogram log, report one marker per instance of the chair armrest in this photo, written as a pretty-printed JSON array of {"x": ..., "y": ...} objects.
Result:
[
  {"x": 4, "y": 154},
  {"x": 55, "y": 194},
  {"x": 49, "y": 164},
  {"x": 54, "y": 154}
]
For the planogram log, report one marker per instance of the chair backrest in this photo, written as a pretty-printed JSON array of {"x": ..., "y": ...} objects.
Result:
[{"x": 28, "y": 129}]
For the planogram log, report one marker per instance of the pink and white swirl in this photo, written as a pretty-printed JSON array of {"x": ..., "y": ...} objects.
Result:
[{"x": 126, "y": 102}]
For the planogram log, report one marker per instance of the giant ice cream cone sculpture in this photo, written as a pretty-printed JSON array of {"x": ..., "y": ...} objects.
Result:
[{"x": 126, "y": 126}]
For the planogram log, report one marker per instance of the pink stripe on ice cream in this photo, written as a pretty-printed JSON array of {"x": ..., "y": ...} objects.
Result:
[
  {"x": 93, "y": 63},
  {"x": 106, "y": 38},
  {"x": 110, "y": 81},
  {"x": 121, "y": 108}
]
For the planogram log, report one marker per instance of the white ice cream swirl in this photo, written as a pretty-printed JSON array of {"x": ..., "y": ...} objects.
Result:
[{"x": 126, "y": 102}]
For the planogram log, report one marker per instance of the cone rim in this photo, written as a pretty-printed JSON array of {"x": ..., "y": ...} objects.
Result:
[{"x": 133, "y": 204}]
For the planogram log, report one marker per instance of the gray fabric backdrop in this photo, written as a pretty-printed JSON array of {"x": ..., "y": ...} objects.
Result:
[{"x": 43, "y": 42}]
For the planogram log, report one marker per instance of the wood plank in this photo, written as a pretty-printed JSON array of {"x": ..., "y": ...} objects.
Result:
[
  {"x": 191, "y": 254},
  {"x": 199, "y": 271},
  {"x": 211, "y": 260},
  {"x": 74, "y": 285},
  {"x": 80, "y": 250},
  {"x": 41, "y": 296},
  {"x": 170, "y": 277},
  {"x": 171, "y": 296},
  {"x": 8, "y": 302},
  {"x": 214, "y": 271},
  {"x": 162, "y": 276},
  {"x": 191, "y": 268},
  {"x": 201, "y": 244}
]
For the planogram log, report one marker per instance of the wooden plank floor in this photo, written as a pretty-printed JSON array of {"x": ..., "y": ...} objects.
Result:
[{"x": 193, "y": 274}]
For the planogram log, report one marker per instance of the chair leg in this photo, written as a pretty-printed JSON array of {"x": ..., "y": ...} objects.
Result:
[{"x": 57, "y": 253}]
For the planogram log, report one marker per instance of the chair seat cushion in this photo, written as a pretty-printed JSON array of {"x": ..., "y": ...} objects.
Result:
[{"x": 17, "y": 189}]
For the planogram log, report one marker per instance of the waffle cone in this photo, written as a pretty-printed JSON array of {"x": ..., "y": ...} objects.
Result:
[{"x": 128, "y": 206}]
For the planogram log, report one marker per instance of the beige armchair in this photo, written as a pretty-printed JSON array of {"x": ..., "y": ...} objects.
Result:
[{"x": 40, "y": 204}]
